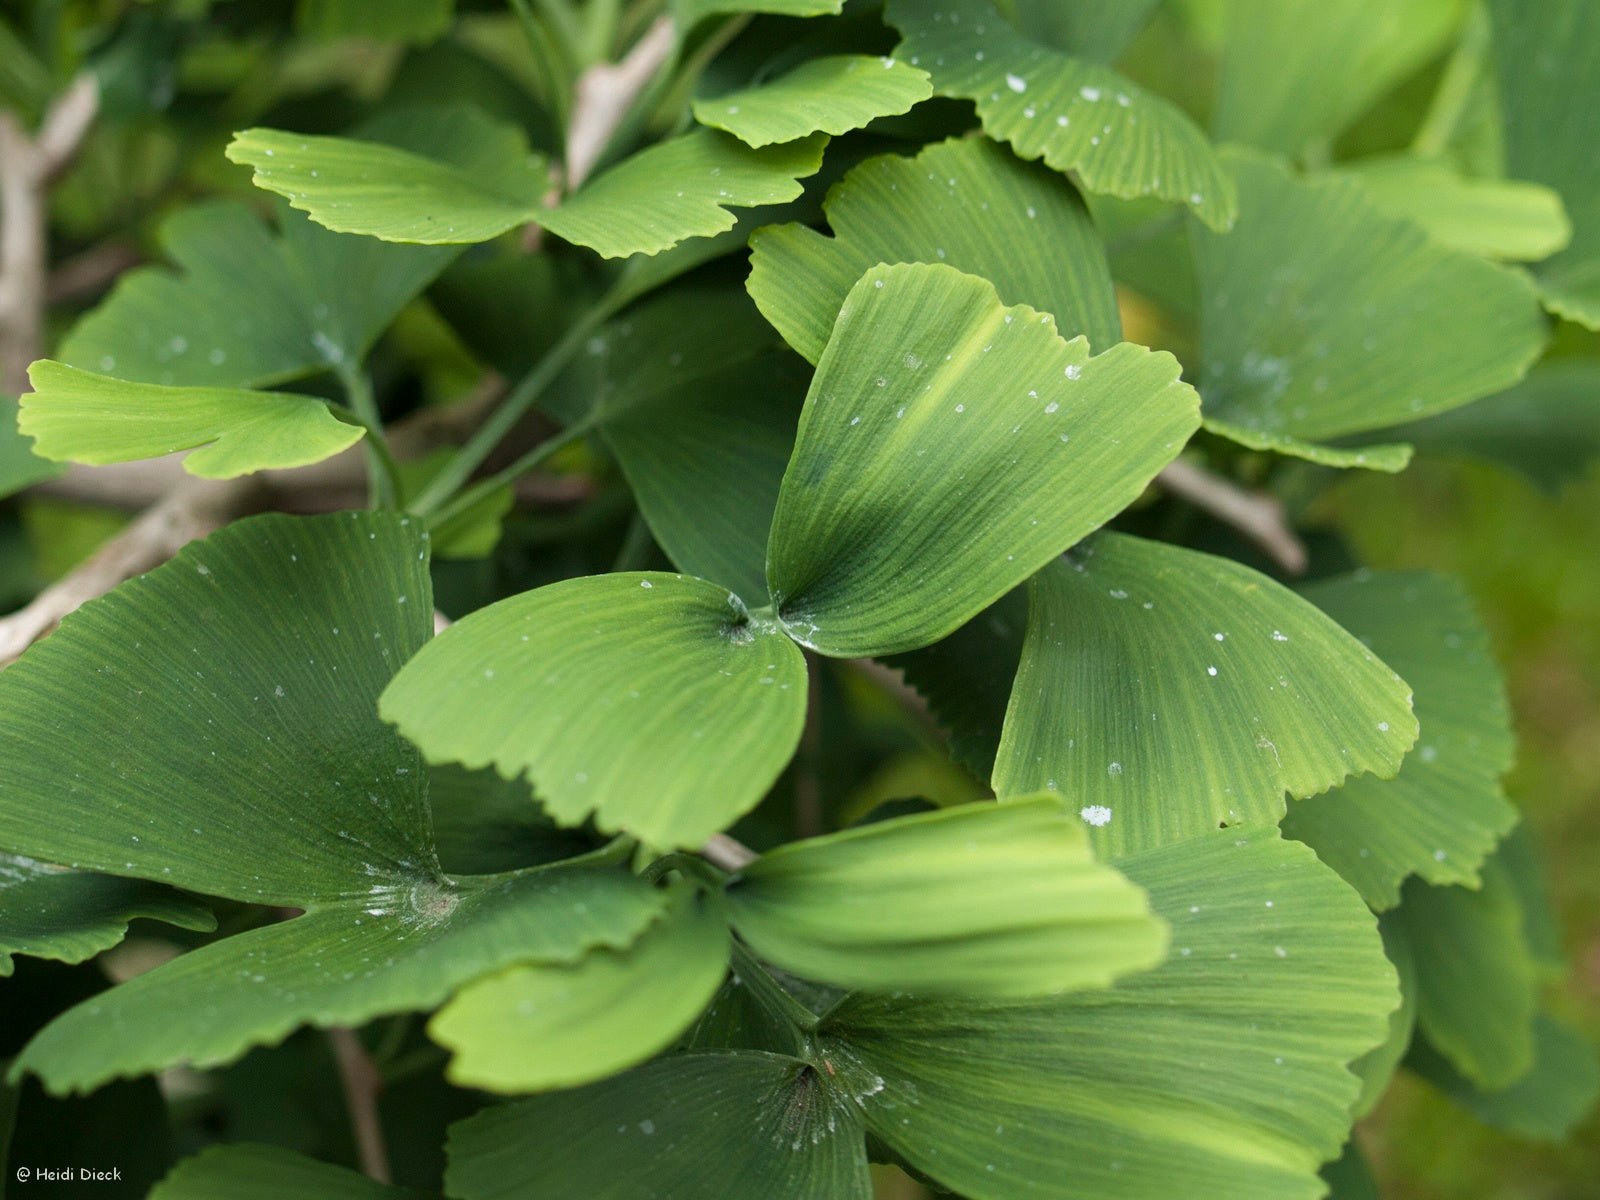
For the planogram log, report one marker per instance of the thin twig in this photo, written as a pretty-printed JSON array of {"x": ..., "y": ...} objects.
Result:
[
  {"x": 28, "y": 166},
  {"x": 193, "y": 509},
  {"x": 604, "y": 94},
  {"x": 1257, "y": 515},
  {"x": 726, "y": 852},
  {"x": 362, "y": 1083}
]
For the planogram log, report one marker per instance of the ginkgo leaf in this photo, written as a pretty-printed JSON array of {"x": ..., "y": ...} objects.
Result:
[
  {"x": 248, "y": 1172},
  {"x": 78, "y": 416},
  {"x": 1077, "y": 115},
  {"x": 1547, "y": 60},
  {"x": 400, "y": 20},
  {"x": 1495, "y": 218},
  {"x": 314, "y": 299},
  {"x": 152, "y": 748},
  {"x": 1377, "y": 1068},
  {"x": 19, "y": 465},
  {"x": 681, "y": 189},
  {"x": 981, "y": 900},
  {"x": 469, "y": 186},
  {"x": 1094, "y": 29},
  {"x": 549, "y": 1025},
  {"x": 1477, "y": 984},
  {"x": 1220, "y": 1073},
  {"x": 1545, "y": 1103},
  {"x": 962, "y": 202},
  {"x": 1546, "y": 429},
  {"x": 699, "y": 400},
  {"x": 1322, "y": 317},
  {"x": 949, "y": 448},
  {"x": 703, "y": 1125},
  {"x": 1389, "y": 457},
  {"x": 1443, "y": 814},
  {"x": 652, "y": 702},
  {"x": 689, "y": 13},
  {"x": 69, "y": 916},
  {"x": 1165, "y": 691},
  {"x": 832, "y": 95},
  {"x": 1296, "y": 70}
]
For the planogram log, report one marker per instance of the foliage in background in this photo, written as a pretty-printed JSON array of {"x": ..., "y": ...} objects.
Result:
[{"x": 801, "y": 598}]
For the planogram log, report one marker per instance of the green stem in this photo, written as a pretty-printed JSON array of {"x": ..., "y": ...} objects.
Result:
[
  {"x": 383, "y": 473},
  {"x": 470, "y": 496},
  {"x": 636, "y": 543},
  {"x": 1455, "y": 89},
  {"x": 504, "y": 419}
]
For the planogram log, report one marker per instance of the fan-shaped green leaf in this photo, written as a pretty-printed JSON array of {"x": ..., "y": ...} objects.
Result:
[
  {"x": 834, "y": 94},
  {"x": 51, "y": 912},
  {"x": 1095, "y": 29},
  {"x": 690, "y": 13},
  {"x": 400, "y": 947},
  {"x": 19, "y": 465},
  {"x": 652, "y": 702},
  {"x": 680, "y": 189},
  {"x": 1546, "y": 429},
  {"x": 1546, "y": 1103},
  {"x": 245, "y": 308},
  {"x": 1440, "y": 817},
  {"x": 707, "y": 1126},
  {"x": 698, "y": 400},
  {"x": 960, "y": 202},
  {"x": 1389, "y": 457},
  {"x": 1494, "y": 218},
  {"x": 1220, "y": 1073},
  {"x": 1296, "y": 70},
  {"x": 404, "y": 20},
  {"x": 949, "y": 447},
  {"x": 1477, "y": 983},
  {"x": 550, "y": 1025},
  {"x": 1077, "y": 115},
  {"x": 468, "y": 188},
  {"x": 1547, "y": 57},
  {"x": 981, "y": 900},
  {"x": 247, "y": 1172},
  {"x": 1166, "y": 691},
  {"x": 1321, "y": 316},
  {"x": 78, "y": 416}
]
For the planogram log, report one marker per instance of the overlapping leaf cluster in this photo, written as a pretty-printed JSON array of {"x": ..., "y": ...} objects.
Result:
[{"x": 913, "y": 304}]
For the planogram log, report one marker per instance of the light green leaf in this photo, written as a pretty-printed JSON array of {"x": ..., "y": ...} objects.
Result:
[
  {"x": 1547, "y": 58},
  {"x": 1094, "y": 29},
  {"x": 699, "y": 1125},
  {"x": 949, "y": 448},
  {"x": 314, "y": 299},
  {"x": 690, "y": 13},
  {"x": 153, "y": 749},
  {"x": 1546, "y": 1103},
  {"x": 247, "y": 1172},
  {"x": 1220, "y": 1073},
  {"x": 399, "y": 20},
  {"x": 960, "y": 203},
  {"x": 981, "y": 900},
  {"x": 652, "y": 702},
  {"x": 1442, "y": 815},
  {"x": 680, "y": 189},
  {"x": 832, "y": 95},
  {"x": 1322, "y": 317},
  {"x": 699, "y": 400},
  {"x": 1493, "y": 218},
  {"x": 1477, "y": 985},
  {"x": 1297, "y": 70},
  {"x": 1389, "y": 457},
  {"x": 473, "y": 186},
  {"x": 1546, "y": 429},
  {"x": 78, "y": 416},
  {"x": 549, "y": 1025},
  {"x": 1077, "y": 115},
  {"x": 20, "y": 467},
  {"x": 1167, "y": 690},
  {"x": 70, "y": 916}
]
